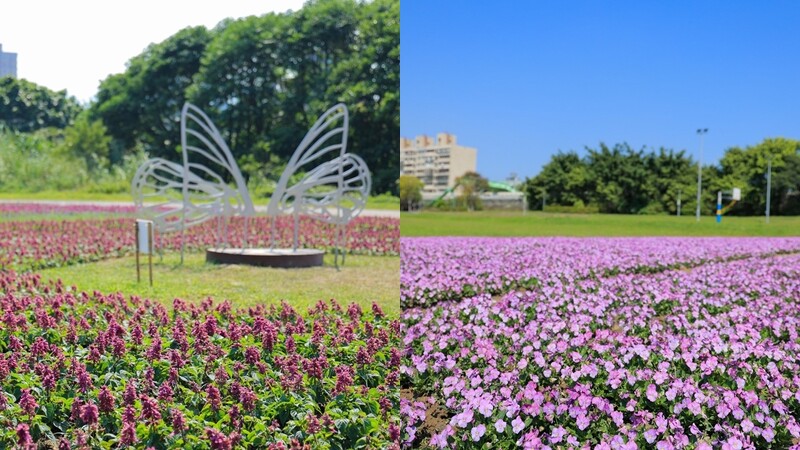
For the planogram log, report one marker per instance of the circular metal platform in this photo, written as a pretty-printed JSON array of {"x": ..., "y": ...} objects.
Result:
[{"x": 276, "y": 257}]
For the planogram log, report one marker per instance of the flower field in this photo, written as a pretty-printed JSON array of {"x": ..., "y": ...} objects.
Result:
[
  {"x": 85, "y": 370},
  {"x": 435, "y": 269},
  {"x": 601, "y": 343},
  {"x": 43, "y": 208},
  {"x": 97, "y": 371},
  {"x": 37, "y": 244}
]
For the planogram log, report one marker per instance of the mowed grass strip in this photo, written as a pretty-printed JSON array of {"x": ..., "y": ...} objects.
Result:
[
  {"x": 499, "y": 223},
  {"x": 363, "y": 279}
]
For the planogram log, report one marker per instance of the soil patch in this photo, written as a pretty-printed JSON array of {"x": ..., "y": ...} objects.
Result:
[{"x": 436, "y": 417}]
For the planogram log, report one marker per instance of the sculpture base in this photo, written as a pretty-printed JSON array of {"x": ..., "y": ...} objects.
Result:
[{"x": 276, "y": 257}]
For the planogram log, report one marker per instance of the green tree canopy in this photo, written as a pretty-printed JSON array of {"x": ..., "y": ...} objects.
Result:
[
  {"x": 410, "y": 191},
  {"x": 142, "y": 106},
  {"x": 746, "y": 168},
  {"x": 26, "y": 106},
  {"x": 619, "y": 179},
  {"x": 471, "y": 185},
  {"x": 264, "y": 81}
]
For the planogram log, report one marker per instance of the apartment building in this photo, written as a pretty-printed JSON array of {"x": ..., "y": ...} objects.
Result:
[
  {"x": 436, "y": 162},
  {"x": 8, "y": 63}
]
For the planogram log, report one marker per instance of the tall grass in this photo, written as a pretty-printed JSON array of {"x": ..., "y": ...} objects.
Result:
[{"x": 39, "y": 161}]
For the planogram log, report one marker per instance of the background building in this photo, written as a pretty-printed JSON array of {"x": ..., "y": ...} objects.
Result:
[
  {"x": 437, "y": 163},
  {"x": 8, "y": 63}
]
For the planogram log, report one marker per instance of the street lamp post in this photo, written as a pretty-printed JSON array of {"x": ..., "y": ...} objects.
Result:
[{"x": 700, "y": 132}]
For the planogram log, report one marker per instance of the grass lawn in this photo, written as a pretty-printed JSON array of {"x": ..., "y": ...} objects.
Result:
[
  {"x": 497, "y": 223},
  {"x": 375, "y": 202},
  {"x": 363, "y": 279}
]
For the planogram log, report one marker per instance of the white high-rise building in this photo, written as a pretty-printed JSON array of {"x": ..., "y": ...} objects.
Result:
[
  {"x": 8, "y": 63},
  {"x": 437, "y": 163}
]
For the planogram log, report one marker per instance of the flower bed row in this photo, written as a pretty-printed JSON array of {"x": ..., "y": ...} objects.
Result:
[
  {"x": 697, "y": 359},
  {"x": 33, "y": 245},
  {"x": 44, "y": 208},
  {"x": 436, "y": 269},
  {"x": 101, "y": 371}
]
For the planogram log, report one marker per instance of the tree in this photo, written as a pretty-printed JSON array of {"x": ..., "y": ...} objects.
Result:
[
  {"x": 410, "y": 191},
  {"x": 672, "y": 174},
  {"x": 620, "y": 178},
  {"x": 88, "y": 140},
  {"x": 264, "y": 81},
  {"x": 472, "y": 184},
  {"x": 564, "y": 180},
  {"x": 142, "y": 106},
  {"x": 746, "y": 168},
  {"x": 368, "y": 79},
  {"x": 26, "y": 106},
  {"x": 786, "y": 187}
]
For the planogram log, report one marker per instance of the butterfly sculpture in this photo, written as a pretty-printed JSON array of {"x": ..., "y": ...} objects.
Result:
[
  {"x": 198, "y": 190},
  {"x": 333, "y": 185}
]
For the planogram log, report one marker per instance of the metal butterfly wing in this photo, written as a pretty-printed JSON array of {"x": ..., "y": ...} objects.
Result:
[
  {"x": 333, "y": 185},
  {"x": 202, "y": 180}
]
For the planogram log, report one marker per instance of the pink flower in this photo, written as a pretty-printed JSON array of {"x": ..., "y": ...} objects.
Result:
[
  {"x": 557, "y": 434},
  {"x": 24, "y": 437},
  {"x": 128, "y": 434},
  {"x": 582, "y": 422},
  {"x": 517, "y": 425},
  {"x": 150, "y": 409},
  {"x": 478, "y": 432},
  {"x": 734, "y": 443},
  {"x": 89, "y": 413},
  {"x": 28, "y": 403},
  {"x": 500, "y": 426},
  {"x": 178, "y": 421},
  {"x": 218, "y": 440},
  {"x": 652, "y": 393},
  {"x": 212, "y": 393},
  {"x": 106, "y": 399}
]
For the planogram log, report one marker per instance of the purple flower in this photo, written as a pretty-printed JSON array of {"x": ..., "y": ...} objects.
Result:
[
  {"x": 106, "y": 399},
  {"x": 500, "y": 426},
  {"x": 517, "y": 425},
  {"x": 652, "y": 393},
  {"x": 89, "y": 414},
  {"x": 485, "y": 407},
  {"x": 478, "y": 432},
  {"x": 27, "y": 402},
  {"x": 582, "y": 422},
  {"x": 557, "y": 434},
  {"x": 463, "y": 419},
  {"x": 24, "y": 437}
]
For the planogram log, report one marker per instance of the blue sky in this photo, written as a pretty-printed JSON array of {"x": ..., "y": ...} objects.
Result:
[{"x": 521, "y": 80}]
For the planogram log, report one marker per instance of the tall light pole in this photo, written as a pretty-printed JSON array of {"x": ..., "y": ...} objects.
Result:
[
  {"x": 769, "y": 183},
  {"x": 700, "y": 132}
]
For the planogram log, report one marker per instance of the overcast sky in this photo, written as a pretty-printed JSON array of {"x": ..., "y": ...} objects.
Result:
[{"x": 73, "y": 45}]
